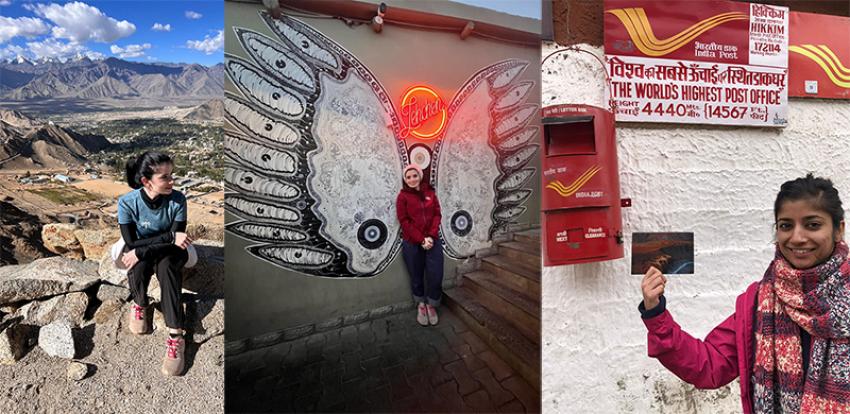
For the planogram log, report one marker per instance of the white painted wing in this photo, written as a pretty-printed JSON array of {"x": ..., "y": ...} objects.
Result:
[
  {"x": 314, "y": 162},
  {"x": 481, "y": 162}
]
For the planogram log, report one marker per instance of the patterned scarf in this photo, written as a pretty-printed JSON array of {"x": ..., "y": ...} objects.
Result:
[{"x": 817, "y": 300}]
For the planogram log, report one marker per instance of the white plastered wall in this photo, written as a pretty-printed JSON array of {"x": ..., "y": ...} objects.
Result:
[{"x": 717, "y": 182}]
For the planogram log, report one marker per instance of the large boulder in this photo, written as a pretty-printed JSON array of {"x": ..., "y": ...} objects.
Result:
[
  {"x": 70, "y": 307},
  {"x": 59, "y": 238},
  {"x": 96, "y": 243},
  {"x": 57, "y": 340},
  {"x": 112, "y": 299},
  {"x": 45, "y": 277},
  {"x": 109, "y": 273}
]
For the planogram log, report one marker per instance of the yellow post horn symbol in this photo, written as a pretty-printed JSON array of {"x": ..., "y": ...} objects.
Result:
[
  {"x": 826, "y": 59},
  {"x": 566, "y": 191},
  {"x": 637, "y": 24}
]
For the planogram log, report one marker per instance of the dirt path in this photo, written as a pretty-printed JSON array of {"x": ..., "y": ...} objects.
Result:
[{"x": 126, "y": 368}]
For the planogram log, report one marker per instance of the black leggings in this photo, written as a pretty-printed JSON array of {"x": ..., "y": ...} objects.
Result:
[{"x": 167, "y": 265}]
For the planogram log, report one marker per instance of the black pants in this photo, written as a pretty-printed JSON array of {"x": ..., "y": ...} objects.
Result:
[
  {"x": 167, "y": 265},
  {"x": 425, "y": 268}
]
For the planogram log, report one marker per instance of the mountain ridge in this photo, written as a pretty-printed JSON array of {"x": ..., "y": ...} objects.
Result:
[{"x": 108, "y": 78}]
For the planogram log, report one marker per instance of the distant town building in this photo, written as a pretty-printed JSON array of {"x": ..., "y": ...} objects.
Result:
[{"x": 63, "y": 178}]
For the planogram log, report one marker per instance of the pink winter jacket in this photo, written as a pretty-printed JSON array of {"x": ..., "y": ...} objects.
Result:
[{"x": 725, "y": 354}]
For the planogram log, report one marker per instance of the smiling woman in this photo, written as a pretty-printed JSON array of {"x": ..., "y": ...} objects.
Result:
[{"x": 787, "y": 340}]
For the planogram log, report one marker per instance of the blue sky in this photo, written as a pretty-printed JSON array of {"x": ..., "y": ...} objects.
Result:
[
  {"x": 525, "y": 8},
  {"x": 142, "y": 31}
]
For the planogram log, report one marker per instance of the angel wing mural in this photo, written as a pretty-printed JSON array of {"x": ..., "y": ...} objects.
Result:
[{"x": 314, "y": 155}]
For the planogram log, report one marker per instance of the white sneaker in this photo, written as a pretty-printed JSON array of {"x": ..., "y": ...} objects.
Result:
[
  {"x": 422, "y": 315},
  {"x": 432, "y": 315}
]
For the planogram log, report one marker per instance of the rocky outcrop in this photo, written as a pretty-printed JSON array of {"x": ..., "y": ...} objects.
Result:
[
  {"x": 96, "y": 242},
  {"x": 212, "y": 110},
  {"x": 59, "y": 238},
  {"x": 65, "y": 296},
  {"x": 44, "y": 278},
  {"x": 71, "y": 308}
]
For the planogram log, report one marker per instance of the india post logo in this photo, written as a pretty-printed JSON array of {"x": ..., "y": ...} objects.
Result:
[
  {"x": 423, "y": 113},
  {"x": 640, "y": 31},
  {"x": 577, "y": 184},
  {"x": 828, "y": 61}
]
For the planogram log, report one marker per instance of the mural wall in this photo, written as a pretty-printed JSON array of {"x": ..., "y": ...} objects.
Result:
[{"x": 316, "y": 145}]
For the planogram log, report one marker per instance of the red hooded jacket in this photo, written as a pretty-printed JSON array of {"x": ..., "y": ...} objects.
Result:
[{"x": 418, "y": 212}]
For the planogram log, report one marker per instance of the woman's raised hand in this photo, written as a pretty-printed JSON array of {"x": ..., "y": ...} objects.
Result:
[
  {"x": 182, "y": 240},
  {"x": 652, "y": 286}
]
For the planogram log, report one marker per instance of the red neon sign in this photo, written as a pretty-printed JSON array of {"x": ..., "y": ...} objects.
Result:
[{"x": 423, "y": 113}]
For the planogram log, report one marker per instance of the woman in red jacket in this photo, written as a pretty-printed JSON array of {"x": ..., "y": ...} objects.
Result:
[
  {"x": 789, "y": 338},
  {"x": 419, "y": 214}
]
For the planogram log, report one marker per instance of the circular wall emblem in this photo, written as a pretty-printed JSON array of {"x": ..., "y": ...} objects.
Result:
[
  {"x": 420, "y": 155},
  {"x": 372, "y": 234},
  {"x": 461, "y": 223}
]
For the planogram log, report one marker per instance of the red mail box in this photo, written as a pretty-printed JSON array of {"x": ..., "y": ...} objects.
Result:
[{"x": 582, "y": 220}]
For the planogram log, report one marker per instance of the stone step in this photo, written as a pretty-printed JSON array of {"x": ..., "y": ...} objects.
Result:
[
  {"x": 531, "y": 237},
  {"x": 513, "y": 275},
  {"x": 515, "y": 307},
  {"x": 528, "y": 256},
  {"x": 506, "y": 341}
]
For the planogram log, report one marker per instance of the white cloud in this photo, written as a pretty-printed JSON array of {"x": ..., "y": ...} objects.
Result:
[
  {"x": 209, "y": 45},
  {"x": 193, "y": 15},
  {"x": 80, "y": 22},
  {"x": 5, "y": 2},
  {"x": 130, "y": 51},
  {"x": 161, "y": 27},
  {"x": 21, "y": 26},
  {"x": 94, "y": 55},
  {"x": 11, "y": 52},
  {"x": 52, "y": 48}
]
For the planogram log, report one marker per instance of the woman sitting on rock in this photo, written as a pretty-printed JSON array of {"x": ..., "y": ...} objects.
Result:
[{"x": 153, "y": 226}]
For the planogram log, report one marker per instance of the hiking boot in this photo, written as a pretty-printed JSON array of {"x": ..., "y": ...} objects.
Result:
[
  {"x": 432, "y": 315},
  {"x": 138, "y": 319},
  {"x": 422, "y": 315},
  {"x": 172, "y": 364}
]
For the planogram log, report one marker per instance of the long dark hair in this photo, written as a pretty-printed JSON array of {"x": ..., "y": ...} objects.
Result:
[{"x": 144, "y": 166}]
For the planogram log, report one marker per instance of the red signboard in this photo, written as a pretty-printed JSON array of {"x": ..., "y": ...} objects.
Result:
[
  {"x": 652, "y": 29},
  {"x": 819, "y": 58},
  {"x": 708, "y": 62}
]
